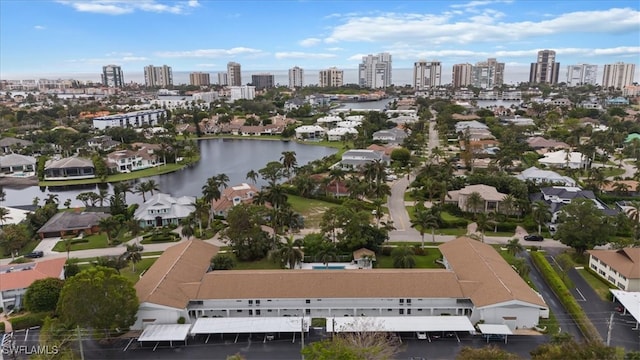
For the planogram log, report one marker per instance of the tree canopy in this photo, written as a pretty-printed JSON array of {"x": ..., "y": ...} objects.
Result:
[
  {"x": 583, "y": 226},
  {"x": 43, "y": 294}
]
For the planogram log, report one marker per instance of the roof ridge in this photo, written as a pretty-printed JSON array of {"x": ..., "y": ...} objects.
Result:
[
  {"x": 188, "y": 244},
  {"x": 495, "y": 274}
]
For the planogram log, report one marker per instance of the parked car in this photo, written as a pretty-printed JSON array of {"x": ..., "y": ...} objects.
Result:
[
  {"x": 421, "y": 335},
  {"x": 534, "y": 237},
  {"x": 35, "y": 254}
]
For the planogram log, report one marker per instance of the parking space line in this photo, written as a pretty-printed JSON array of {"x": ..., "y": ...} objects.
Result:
[{"x": 582, "y": 296}]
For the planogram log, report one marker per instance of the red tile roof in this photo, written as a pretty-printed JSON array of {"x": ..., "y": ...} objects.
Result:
[{"x": 24, "y": 275}]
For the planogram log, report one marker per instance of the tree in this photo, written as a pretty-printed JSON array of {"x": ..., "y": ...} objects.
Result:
[
  {"x": 540, "y": 213},
  {"x": 112, "y": 299},
  {"x": 582, "y": 226},
  {"x": 403, "y": 257},
  {"x": 401, "y": 156},
  {"x": 569, "y": 349},
  {"x": 253, "y": 176},
  {"x": 4, "y": 215},
  {"x": 14, "y": 237},
  {"x": 491, "y": 352},
  {"x": 475, "y": 202},
  {"x": 42, "y": 295},
  {"x": 244, "y": 232},
  {"x": 110, "y": 226},
  {"x": 287, "y": 253},
  {"x": 134, "y": 255},
  {"x": 142, "y": 189},
  {"x": 514, "y": 247},
  {"x": 152, "y": 186},
  {"x": 289, "y": 161},
  {"x": 424, "y": 219},
  {"x": 223, "y": 262}
]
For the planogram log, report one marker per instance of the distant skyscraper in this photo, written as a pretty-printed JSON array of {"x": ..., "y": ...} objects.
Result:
[
  {"x": 331, "y": 77},
  {"x": 581, "y": 74},
  {"x": 262, "y": 81},
  {"x": 112, "y": 76},
  {"x": 487, "y": 74},
  {"x": 375, "y": 71},
  {"x": 296, "y": 77},
  {"x": 199, "y": 79},
  {"x": 223, "y": 79},
  {"x": 618, "y": 75},
  {"x": 462, "y": 74},
  {"x": 233, "y": 74},
  {"x": 158, "y": 76},
  {"x": 426, "y": 74},
  {"x": 545, "y": 70}
]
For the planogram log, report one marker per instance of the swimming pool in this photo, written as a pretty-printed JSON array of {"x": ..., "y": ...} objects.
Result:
[{"x": 330, "y": 267}]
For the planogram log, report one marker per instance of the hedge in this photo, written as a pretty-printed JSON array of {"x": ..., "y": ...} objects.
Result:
[
  {"x": 28, "y": 320},
  {"x": 454, "y": 224},
  {"x": 1, "y": 327},
  {"x": 568, "y": 301}
]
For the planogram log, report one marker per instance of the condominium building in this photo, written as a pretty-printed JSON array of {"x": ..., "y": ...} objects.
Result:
[
  {"x": 461, "y": 75},
  {"x": 426, "y": 74},
  {"x": 296, "y": 77},
  {"x": 375, "y": 71},
  {"x": 331, "y": 77},
  {"x": 245, "y": 92},
  {"x": 133, "y": 119},
  {"x": 488, "y": 74},
  {"x": 581, "y": 74},
  {"x": 199, "y": 79},
  {"x": 233, "y": 74},
  {"x": 618, "y": 75},
  {"x": 545, "y": 70},
  {"x": 112, "y": 76},
  {"x": 262, "y": 81},
  {"x": 158, "y": 76},
  {"x": 223, "y": 79}
]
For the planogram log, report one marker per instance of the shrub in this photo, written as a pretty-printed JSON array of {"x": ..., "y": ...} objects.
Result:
[
  {"x": 28, "y": 320},
  {"x": 181, "y": 320},
  {"x": 1, "y": 327},
  {"x": 417, "y": 250},
  {"x": 454, "y": 224},
  {"x": 386, "y": 250},
  {"x": 223, "y": 262},
  {"x": 506, "y": 227}
]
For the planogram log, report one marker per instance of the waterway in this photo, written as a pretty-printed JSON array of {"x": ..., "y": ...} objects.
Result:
[{"x": 233, "y": 157}]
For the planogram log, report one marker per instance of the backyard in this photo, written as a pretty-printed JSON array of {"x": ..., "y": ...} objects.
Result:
[{"x": 311, "y": 209}]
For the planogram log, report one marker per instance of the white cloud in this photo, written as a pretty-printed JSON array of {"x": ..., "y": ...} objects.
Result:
[
  {"x": 206, "y": 65},
  {"x": 39, "y": 27},
  {"x": 120, "y": 7},
  {"x": 110, "y": 59},
  {"x": 303, "y": 55},
  {"x": 208, "y": 53},
  {"x": 310, "y": 42},
  {"x": 335, "y": 49},
  {"x": 478, "y": 3}
]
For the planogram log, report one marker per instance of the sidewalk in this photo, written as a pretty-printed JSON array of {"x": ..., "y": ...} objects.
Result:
[{"x": 7, "y": 323}]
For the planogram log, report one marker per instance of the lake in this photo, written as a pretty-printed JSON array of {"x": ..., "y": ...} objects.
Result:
[{"x": 234, "y": 157}]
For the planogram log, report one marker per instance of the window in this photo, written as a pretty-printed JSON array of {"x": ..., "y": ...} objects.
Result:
[
  {"x": 401, "y": 301},
  {"x": 257, "y": 312},
  {"x": 408, "y": 311},
  {"x": 308, "y": 301},
  {"x": 250, "y": 302},
  {"x": 307, "y": 311},
  {"x": 408, "y": 301},
  {"x": 250, "y": 312},
  {"x": 401, "y": 311}
]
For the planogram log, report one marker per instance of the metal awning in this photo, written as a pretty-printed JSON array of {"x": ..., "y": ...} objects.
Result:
[
  {"x": 495, "y": 329},
  {"x": 630, "y": 301},
  {"x": 166, "y": 332},
  {"x": 239, "y": 325},
  {"x": 399, "y": 324}
]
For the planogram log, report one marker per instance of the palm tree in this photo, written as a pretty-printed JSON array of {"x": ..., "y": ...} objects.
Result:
[
  {"x": 403, "y": 257},
  {"x": 253, "y": 176},
  {"x": 108, "y": 225},
  {"x": 288, "y": 253},
  {"x": 211, "y": 191},
  {"x": 152, "y": 186},
  {"x": 202, "y": 208},
  {"x": 424, "y": 219},
  {"x": 103, "y": 195},
  {"x": 289, "y": 161},
  {"x": 633, "y": 212},
  {"x": 540, "y": 213},
  {"x": 475, "y": 202},
  {"x": 482, "y": 221},
  {"x": 142, "y": 189},
  {"x": 327, "y": 254},
  {"x": 187, "y": 228},
  {"x": 337, "y": 175},
  {"x": 133, "y": 254},
  {"x": 508, "y": 204},
  {"x": 51, "y": 199},
  {"x": 4, "y": 215},
  {"x": 514, "y": 247}
]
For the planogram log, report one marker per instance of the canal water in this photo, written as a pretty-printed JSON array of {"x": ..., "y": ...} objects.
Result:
[{"x": 234, "y": 157}]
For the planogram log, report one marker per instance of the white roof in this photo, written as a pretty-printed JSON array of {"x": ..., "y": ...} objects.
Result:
[
  {"x": 329, "y": 119},
  {"x": 348, "y": 124},
  {"x": 342, "y": 131},
  {"x": 560, "y": 157},
  {"x": 15, "y": 216},
  {"x": 309, "y": 128},
  {"x": 630, "y": 300},
  {"x": 495, "y": 329},
  {"x": 237, "y": 325},
  {"x": 168, "y": 332},
  {"x": 399, "y": 323}
]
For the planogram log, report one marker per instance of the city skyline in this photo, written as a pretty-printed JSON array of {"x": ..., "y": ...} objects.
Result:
[{"x": 61, "y": 37}]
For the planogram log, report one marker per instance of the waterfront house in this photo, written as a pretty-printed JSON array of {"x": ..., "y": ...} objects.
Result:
[
  {"x": 356, "y": 158},
  {"x": 390, "y": 136},
  {"x": 16, "y": 165},
  {"x": 142, "y": 156},
  {"x": 164, "y": 209},
  {"x": 339, "y": 133},
  {"x": 310, "y": 132},
  {"x": 69, "y": 169},
  {"x": 232, "y": 196},
  {"x": 8, "y": 144}
]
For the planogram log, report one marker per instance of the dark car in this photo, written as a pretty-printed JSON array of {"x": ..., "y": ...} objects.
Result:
[
  {"x": 35, "y": 254},
  {"x": 533, "y": 237}
]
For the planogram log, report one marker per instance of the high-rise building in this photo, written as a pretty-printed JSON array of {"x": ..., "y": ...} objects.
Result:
[
  {"x": 461, "y": 75},
  {"x": 487, "y": 74},
  {"x": 262, "y": 81},
  {"x": 375, "y": 71},
  {"x": 112, "y": 76},
  {"x": 331, "y": 77},
  {"x": 158, "y": 76},
  {"x": 545, "y": 70},
  {"x": 223, "y": 79},
  {"x": 199, "y": 79},
  {"x": 581, "y": 74},
  {"x": 296, "y": 77},
  {"x": 426, "y": 74},
  {"x": 618, "y": 75},
  {"x": 233, "y": 74}
]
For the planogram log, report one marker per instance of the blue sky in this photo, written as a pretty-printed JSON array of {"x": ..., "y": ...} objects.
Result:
[{"x": 80, "y": 36}]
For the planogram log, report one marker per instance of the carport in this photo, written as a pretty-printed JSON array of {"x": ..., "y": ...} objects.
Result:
[
  {"x": 166, "y": 332},
  {"x": 630, "y": 302},
  {"x": 400, "y": 324},
  {"x": 489, "y": 330},
  {"x": 250, "y": 325}
]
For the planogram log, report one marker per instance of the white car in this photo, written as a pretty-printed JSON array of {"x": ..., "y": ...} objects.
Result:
[
  {"x": 421, "y": 335},
  {"x": 391, "y": 177}
]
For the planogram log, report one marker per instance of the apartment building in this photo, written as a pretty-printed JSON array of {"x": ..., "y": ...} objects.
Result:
[
  {"x": 296, "y": 77},
  {"x": 234, "y": 77},
  {"x": 488, "y": 74},
  {"x": 618, "y": 75},
  {"x": 199, "y": 79},
  {"x": 331, "y": 77},
  {"x": 246, "y": 92},
  {"x": 158, "y": 76},
  {"x": 133, "y": 119},
  {"x": 112, "y": 76},
  {"x": 262, "y": 81},
  {"x": 223, "y": 79},
  {"x": 426, "y": 74},
  {"x": 619, "y": 267},
  {"x": 375, "y": 71},
  {"x": 545, "y": 70},
  {"x": 581, "y": 74},
  {"x": 462, "y": 75}
]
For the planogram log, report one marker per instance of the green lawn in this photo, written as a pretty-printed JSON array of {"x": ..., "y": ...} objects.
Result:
[
  {"x": 264, "y": 264},
  {"x": 422, "y": 261},
  {"x": 311, "y": 209},
  {"x": 164, "y": 169},
  {"x": 596, "y": 284},
  {"x": 141, "y": 266},
  {"x": 97, "y": 241}
]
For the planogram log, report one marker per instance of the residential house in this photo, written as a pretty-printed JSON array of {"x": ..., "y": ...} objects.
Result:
[
  {"x": 364, "y": 258},
  {"x": 490, "y": 196},
  {"x": 102, "y": 143},
  {"x": 16, "y": 165},
  {"x": 310, "y": 132},
  {"x": 164, "y": 209},
  {"x": 564, "y": 159},
  {"x": 517, "y": 120},
  {"x": 142, "y": 156},
  {"x": 617, "y": 101},
  {"x": 542, "y": 145},
  {"x": 621, "y": 187},
  {"x": 462, "y": 126},
  {"x": 72, "y": 223},
  {"x": 15, "y": 279},
  {"x": 69, "y": 169},
  {"x": 477, "y": 285},
  {"x": 340, "y": 133},
  {"x": 558, "y": 196},
  {"x": 619, "y": 267},
  {"x": 232, "y": 196},
  {"x": 538, "y": 176},
  {"x": 9, "y": 144},
  {"x": 356, "y": 158},
  {"x": 15, "y": 216},
  {"x": 329, "y": 121},
  {"x": 390, "y": 136}
]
